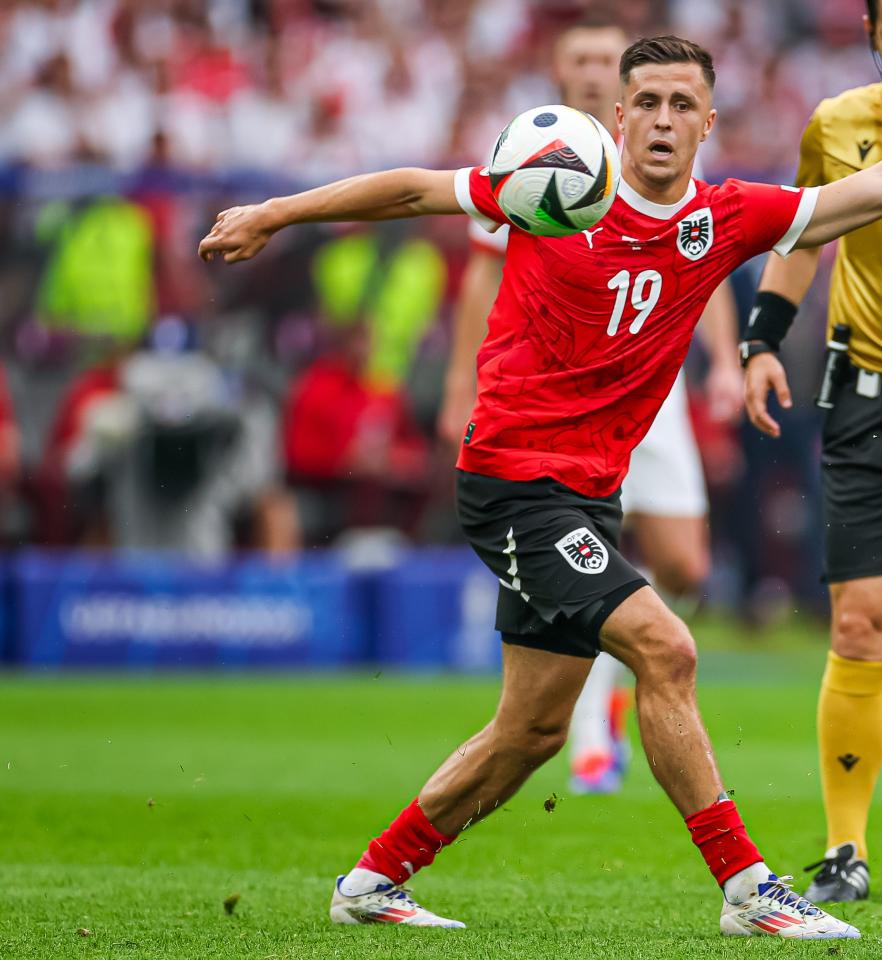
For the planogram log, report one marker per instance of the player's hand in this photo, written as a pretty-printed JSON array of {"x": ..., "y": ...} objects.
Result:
[
  {"x": 764, "y": 373},
  {"x": 724, "y": 388},
  {"x": 238, "y": 234},
  {"x": 456, "y": 407}
]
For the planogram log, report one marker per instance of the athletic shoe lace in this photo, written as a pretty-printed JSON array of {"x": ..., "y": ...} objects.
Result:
[
  {"x": 830, "y": 867},
  {"x": 781, "y": 890},
  {"x": 403, "y": 895}
]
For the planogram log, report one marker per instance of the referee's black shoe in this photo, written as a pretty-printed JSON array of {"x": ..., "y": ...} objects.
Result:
[{"x": 841, "y": 876}]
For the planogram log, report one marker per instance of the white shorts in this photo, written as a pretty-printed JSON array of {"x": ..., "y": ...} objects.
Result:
[{"x": 665, "y": 478}]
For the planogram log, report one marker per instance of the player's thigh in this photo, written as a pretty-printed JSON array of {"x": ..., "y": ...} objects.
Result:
[
  {"x": 649, "y": 639},
  {"x": 856, "y": 618},
  {"x": 675, "y": 548}
]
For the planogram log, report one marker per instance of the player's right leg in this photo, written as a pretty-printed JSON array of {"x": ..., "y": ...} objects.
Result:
[
  {"x": 531, "y": 722},
  {"x": 530, "y": 535}
]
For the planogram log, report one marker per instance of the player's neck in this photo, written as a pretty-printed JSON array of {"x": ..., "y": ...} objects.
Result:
[{"x": 665, "y": 195}]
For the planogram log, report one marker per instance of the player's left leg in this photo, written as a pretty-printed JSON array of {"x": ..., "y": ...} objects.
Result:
[
  {"x": 656, "y": 645},
  {"x": 665, "y": 500}
]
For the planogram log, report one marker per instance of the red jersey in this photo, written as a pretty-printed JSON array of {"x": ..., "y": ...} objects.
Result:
[{"x": 588, "y": 332}]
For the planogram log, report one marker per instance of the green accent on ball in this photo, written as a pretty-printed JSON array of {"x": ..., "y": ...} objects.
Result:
[
  {"x": 550, "y": 209},
  {"x": 519, "y": 222}
]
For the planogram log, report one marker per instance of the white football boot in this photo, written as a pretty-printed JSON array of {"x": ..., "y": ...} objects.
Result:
[
  {"x": 386, "y": 903},
  {"x": 773, "y": 909}
]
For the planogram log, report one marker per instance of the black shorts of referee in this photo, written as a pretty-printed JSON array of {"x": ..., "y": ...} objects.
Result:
[
  {"x": 851, "y": 471},
  {"x": 555, "y": 554}
]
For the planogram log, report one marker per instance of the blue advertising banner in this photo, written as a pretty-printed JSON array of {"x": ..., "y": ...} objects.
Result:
[
  {"x": 149, "y": 611},
  {"x": 435, "y": 609}
]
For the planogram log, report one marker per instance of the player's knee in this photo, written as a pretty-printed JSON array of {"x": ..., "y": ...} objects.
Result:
[
  {"x": 532, "y": 743},
  {"x": 542, "y": 743},
  {"x": 667, "y": 652},
  {"x": 857, "y": 632}
]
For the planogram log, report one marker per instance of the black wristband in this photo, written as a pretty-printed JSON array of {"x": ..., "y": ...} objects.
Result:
[
  {"x": 750, "y": 348},
  {"x": 770, "y": 319}
]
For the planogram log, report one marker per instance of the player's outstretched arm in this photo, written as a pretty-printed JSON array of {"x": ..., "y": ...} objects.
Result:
[
  {"x": 241, "y": 232},
  {"x": 782, "y": 287},
  {"x": 844, "y": 206}
]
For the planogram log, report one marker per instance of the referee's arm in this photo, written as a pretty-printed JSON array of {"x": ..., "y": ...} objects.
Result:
[{"x": 784, "y": 283}]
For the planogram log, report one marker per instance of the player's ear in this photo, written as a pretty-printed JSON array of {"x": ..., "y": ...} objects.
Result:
[
  {"x": 708, "y": 125},
  {"x": 620, "y": 119}
]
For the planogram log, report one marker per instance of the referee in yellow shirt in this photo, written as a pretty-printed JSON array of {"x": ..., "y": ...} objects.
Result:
[{"x": 843, "y": 136}]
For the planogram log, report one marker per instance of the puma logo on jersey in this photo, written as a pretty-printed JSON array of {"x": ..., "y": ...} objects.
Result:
[
  {"x": 864, "y": 148},
  {"x": 590, "y": 235},
  {"x": 695, "y": 234},
  {"x": 848, "y": 760}
]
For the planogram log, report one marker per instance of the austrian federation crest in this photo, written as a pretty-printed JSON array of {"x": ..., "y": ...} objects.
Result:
[
  {"x": 583, "y": 551},
  {"x": 695, "y": 234}
]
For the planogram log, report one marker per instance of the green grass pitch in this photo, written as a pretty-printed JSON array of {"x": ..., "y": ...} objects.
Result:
[{"x": 131, "y": 808}]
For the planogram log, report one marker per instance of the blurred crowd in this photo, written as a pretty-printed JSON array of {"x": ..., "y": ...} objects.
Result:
[
  {"x": 319, "y": 88},
  {"x": 149, "y": 401}
]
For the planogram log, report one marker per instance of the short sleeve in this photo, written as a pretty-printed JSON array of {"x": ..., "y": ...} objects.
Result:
[
  {"x": 773, "y": 217},
  {"x": 475, "y": 196},
  {"x": 495, "y": 244},
  {"x": 810, "y": 172}
]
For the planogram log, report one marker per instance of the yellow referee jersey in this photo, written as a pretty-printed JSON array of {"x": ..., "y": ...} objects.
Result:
[{"x": 843, "y": 136}]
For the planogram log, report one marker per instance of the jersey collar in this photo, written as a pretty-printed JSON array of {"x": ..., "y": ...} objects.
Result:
[{"x": 659, "y": 211}]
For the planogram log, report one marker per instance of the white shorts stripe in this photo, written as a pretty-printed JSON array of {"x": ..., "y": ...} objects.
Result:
[{"x": 512, "y": 571}]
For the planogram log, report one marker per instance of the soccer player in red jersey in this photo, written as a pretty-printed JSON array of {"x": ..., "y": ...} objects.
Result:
[
  {"x": 664, "y": 500},
  {"x": 584, "y": 342}
]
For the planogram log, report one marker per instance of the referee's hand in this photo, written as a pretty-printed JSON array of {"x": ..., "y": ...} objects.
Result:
[{"x": 764, "y": 373}]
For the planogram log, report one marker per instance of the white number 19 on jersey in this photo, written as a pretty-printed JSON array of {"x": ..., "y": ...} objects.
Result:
[{"x": 642, "y": 300}]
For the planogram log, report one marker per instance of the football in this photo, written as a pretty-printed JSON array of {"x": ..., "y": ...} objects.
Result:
[{"x": 554, "y": 171}]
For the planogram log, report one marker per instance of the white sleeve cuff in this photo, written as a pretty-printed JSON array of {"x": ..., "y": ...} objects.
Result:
[
  {"x": 464, "y": 199},
  {"x": 800, "y": 221}
]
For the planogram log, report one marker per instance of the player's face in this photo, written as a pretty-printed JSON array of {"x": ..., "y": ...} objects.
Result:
[
  {"x": 664, "y": 114},
  {"x": 586, "y": 68}
]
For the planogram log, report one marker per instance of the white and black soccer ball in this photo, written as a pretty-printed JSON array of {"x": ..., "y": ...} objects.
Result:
[{"x": 554, "y": 171}]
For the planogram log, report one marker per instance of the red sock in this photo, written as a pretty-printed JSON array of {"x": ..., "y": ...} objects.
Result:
[
  {"x": 409, "y": 843},
  {"x": 721, "y": 837}
]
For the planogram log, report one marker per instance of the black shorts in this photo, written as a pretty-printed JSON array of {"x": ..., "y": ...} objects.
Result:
[
  {"x": 852, "y": 483},
  {"x": 555, "y": 553}
]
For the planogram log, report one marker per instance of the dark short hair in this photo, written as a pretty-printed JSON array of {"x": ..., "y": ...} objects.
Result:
[
  {"x": 597, "y": 18},
  {"x": 666, "y": 50},
  {"x": 873, "y": 11}
]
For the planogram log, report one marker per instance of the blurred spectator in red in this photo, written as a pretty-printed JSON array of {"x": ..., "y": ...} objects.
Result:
[{"x": 354, "y": 454}]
